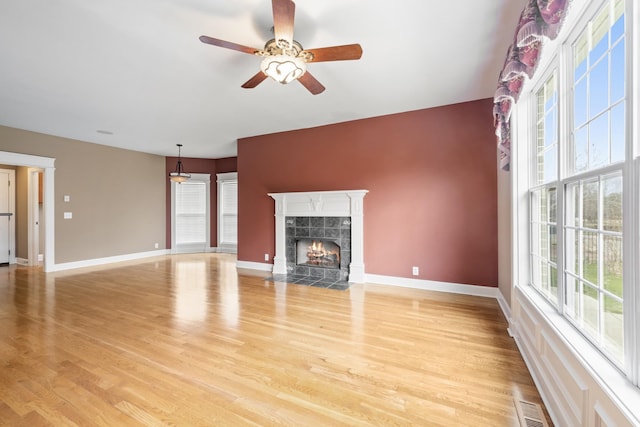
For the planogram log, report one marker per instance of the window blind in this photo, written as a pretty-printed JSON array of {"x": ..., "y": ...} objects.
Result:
[{"x": 191, "y": 212}]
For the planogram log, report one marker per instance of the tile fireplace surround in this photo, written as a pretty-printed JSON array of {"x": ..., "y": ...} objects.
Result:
[{"x": 348, "y": 203}]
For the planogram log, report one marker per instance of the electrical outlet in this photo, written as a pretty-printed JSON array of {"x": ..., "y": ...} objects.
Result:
[
  {"x": 157, "y": 245},
  {"x": 266, "y": 257},
  {"x": 416, "y": 271}
]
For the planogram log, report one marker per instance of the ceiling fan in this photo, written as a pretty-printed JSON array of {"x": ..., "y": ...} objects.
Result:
[{"x": 285, "y": 59}]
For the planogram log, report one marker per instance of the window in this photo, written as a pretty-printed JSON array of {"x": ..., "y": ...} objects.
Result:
[
  {"x": 543, "y": 193},
  {"x": 577, "y": 185},
  {"x": 544, "y": 268},
  {"x": 593, "y": 268},
  {"x": 546, "y": 150},
  {"x": 599, "y": 91},
  {"x": 228, "y": 211},
  {"x": 593, "y": 285},
  {"x": 190, "y": 214}
]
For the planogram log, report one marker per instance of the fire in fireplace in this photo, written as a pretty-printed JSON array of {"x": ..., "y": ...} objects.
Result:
[{"x": 318, "y": 253}]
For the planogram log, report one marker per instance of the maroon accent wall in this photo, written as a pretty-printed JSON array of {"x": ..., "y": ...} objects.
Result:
[
  {"x": 228, "y": 164},
  {"x": 193, "y": 165},
  {"x": 431, "y": 176}
]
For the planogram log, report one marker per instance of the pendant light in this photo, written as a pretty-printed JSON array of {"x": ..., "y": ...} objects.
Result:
[{"x": 179, "y": 175}]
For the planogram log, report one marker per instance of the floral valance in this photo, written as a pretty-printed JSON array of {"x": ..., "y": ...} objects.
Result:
[{"x": 540, "y": 19}]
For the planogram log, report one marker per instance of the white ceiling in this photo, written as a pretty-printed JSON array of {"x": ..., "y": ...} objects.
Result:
[{"x": 136, "y": 68}]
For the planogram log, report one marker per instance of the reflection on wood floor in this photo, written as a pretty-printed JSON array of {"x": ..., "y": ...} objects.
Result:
[{"x": 185, "y": 340}]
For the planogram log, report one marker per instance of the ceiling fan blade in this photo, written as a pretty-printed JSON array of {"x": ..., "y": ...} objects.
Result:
[
  {"x": 283, "y": 16},
  {"x": 255, "y": 80},
  {"x": 228, "y": 45},
  {"x": 336, "y": 53},
  {"x": 310, "y": 82}
]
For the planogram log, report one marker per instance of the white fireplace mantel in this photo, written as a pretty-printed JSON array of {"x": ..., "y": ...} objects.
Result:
[{"x": 322, "y": 203}]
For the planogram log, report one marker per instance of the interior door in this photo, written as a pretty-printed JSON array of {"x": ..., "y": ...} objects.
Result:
[{"x": 6, "y": 215}]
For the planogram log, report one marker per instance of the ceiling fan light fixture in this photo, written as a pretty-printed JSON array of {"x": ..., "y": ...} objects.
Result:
[
  {"x": 283, "y": 68},
  {"x": 283, "y": 58}
]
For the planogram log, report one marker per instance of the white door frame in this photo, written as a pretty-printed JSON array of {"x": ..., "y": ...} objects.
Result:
[
  {"x": 46, "y": 163},
  {"x": 12, "y": 218}
]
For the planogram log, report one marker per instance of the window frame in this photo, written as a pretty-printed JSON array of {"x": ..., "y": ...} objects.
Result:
[
  {"x": 535, "y": 185},
  {"x": 195, "y": 247},
  {"x": 223, "y": 179},
  {"x": 525, "y": 129}
]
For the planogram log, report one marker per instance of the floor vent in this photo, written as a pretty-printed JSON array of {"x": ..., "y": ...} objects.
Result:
[{"x": 530, "y": 414}]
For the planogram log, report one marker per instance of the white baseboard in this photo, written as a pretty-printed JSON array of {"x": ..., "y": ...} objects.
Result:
[
  {"x": 25, "y": 261},
  {"x": 228, "y": 249},
  {"x": 431, "y": 285},
  {"x": 254, "y": 266},
  {"x": 191, "y": 249},
  {"x": 107, "y": 260},
  {"x": 199, "y": 250},
  {"x": 506, "y": 310}
]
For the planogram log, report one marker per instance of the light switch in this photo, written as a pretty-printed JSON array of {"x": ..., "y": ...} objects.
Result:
[
  {"x": 67, "y": 198},
  {"x": 68, "y": 215}
]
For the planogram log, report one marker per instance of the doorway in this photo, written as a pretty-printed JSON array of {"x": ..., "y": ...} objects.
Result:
[{"x": 47, "y": 165}]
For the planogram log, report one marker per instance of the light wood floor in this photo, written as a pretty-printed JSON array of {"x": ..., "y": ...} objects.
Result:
[{"x": 186, "y": 341}]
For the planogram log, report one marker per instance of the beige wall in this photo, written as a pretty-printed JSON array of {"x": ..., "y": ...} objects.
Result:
[
  {"x": 504, "y": 234},
  {"x": 117, "y": 196}
]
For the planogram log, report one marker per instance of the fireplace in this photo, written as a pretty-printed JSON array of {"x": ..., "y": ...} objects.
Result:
[
  {"x": 317, "y": 253},
  {"x": 318, "y": 247},
  {"x": 331, "y": 217}
]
